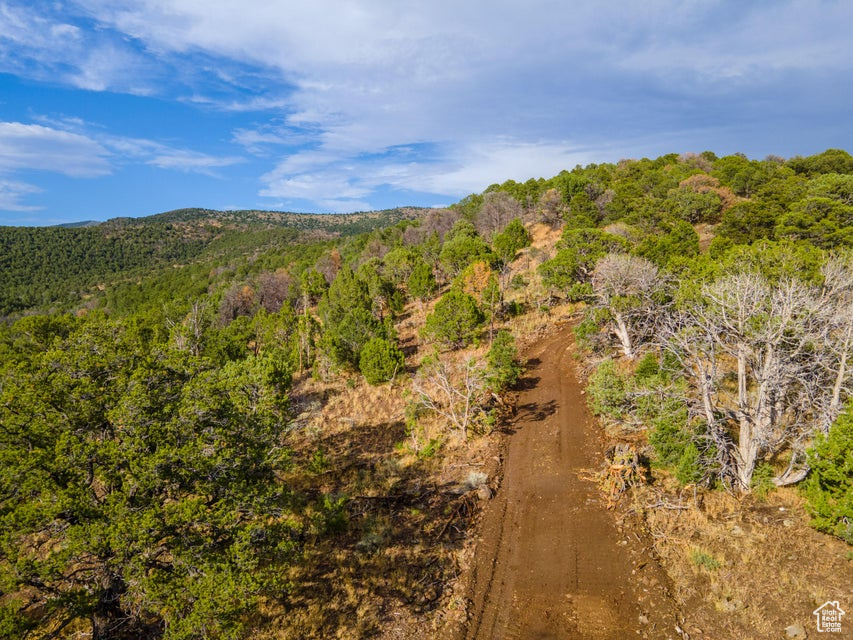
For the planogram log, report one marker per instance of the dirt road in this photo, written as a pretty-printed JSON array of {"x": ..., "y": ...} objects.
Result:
[{"x": 551, "y": 562}]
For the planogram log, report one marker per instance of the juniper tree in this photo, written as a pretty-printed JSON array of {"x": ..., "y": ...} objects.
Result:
[
  {"x": 455, "y": 320},
  {"x": 138, "y": 490}
]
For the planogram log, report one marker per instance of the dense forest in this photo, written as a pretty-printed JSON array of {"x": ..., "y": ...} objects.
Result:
[
  {"x": 155, "y": 479},
  {"x": 53, "y": 268}
]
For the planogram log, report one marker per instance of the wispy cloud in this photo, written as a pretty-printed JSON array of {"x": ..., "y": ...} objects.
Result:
[
  {"x": 333, "y": 93},
  {"x": 33, "y": 146},
  {"x": 244, "y": 104},
  {"x": 725, "y": 41},
  {"x": 167, "y": 157},
  {"x": 497, "y": 86},
  {"x": 263, "y": 140},
  {"x": 74, "y": 148},
  {"x": 12, "y": 192},
  {"x": 71, "y": 153},
  {"x": 37, "y": 43},
  {"x": 192, "y": 161}
]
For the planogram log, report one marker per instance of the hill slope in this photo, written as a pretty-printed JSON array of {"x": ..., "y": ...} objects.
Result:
[{"x": 50, "y": 268}]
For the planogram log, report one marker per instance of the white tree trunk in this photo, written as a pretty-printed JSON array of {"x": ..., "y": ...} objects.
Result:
[{"x": 623, "y": 334}]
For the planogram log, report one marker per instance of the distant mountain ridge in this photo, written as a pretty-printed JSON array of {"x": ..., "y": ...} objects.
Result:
[
  {"x": 77, "y": 225},
  {"x": 287, "y": 218},
  {"x": 343, "y": 223},
  {"x": 51, "y": 267}
]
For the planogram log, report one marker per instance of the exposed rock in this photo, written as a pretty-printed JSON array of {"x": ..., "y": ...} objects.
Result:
[
  {"x": 484, "y": 493},
  {"x": 795, "y": 631}
]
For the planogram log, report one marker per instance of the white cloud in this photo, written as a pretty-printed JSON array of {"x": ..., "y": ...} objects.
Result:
[
  {"x": 486, "y": 83},
  {"x": 479, "y": 165},
  {"x": 327, "y": 183},
  {"x": 34, "y": 43},
  {"x": 260, "y": 141},
  {"x": 107, "y": 67},
  {"x": 12, "y": 192},
  {"x": 495, "y": 90},
  {"x": 72, "y": 148},
  {"x": 39, "y": 147},
  {"x": 257, "y": 103},
  {"x": 314, "y": 175},
  {"x": 191, "y": 161},
  {"x": 33, "y": 146},
  {"x": 27, "y": 28},
  {"x": 747, "y": 41}
]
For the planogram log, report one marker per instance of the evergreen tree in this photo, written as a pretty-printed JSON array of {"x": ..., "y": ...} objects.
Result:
[
  {"x": 463, "y": 246},
  {"x": 510, "y": 241},
  {"x": 421, "y": 282},
  {"x": 380, "y": 360},
  {"x": 455, "y": 320},
  {"x": 503, "y": 369},
  {"x": 582, "y": 212},
  {"x": 829, "y": 487},
  {"x": 138, "y": 490}
]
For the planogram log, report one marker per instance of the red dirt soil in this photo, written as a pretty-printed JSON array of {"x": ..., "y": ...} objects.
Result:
[{"x": 551, "y": 562}]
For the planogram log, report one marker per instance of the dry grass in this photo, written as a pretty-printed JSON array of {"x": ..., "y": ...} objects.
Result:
[
  {"x": 743, "y": 568},
  {"x": 405, "y": 513},
  {"x": 530, "y": 327},
  {"x": 706, "y": 235},
  {"x": 408, "y": 499},
  {"x": 544, "y": 237}
]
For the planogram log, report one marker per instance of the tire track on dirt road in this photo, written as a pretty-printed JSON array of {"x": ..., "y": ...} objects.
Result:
[{"x": 551, "y": 562}]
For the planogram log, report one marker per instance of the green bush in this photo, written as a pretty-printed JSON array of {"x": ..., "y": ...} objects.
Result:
[
  {"x": 705, "y": 559},
  {"x": 511, "y": 240},
  {"x": 579, "y": 292},
  {"x": 585, "y": 334},
  {"x": 380, "y": 360},
  {"x": 421, "y": 282},
  {"x": 762, "y": 480},
  {"x": 647, "y": 368},
  {"x": 503, "y": 368},
  {"x": 462, "y": 250},
  {"x": 343, "y": 340},
  {"x": 319, "y": 462},
  {"x": 455, "y": 320},
  {"x": 608, "y": 390},
  {"x": 690, "y": 468},
  {"x": 331, "y": 516},
  {"x": 829, "y": 487},
  {"x": 514, "y": 309},
  {"x": 670, "y": 435},
  {"x": 678, "y": 445}
]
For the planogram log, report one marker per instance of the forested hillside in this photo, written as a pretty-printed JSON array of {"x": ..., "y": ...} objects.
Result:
[
  {"x": 255, "y": 425},
  {"x": 52, "y": 268}
]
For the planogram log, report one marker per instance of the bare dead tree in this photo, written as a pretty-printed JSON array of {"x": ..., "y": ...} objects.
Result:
[
  {"x": 438, "y": 221},
  {"x": 626, "y": 286},
  {"x": 551, "y": 208},
  {"x": 273, "y": 289},
  {"x": 837, "y": 300},
  {"x": 451, "y": 390},
  {"x": 772, "y": 341},
  {"x": 188, "y": 335},
  {"x": 498, "y": 210},
  {"x": 238, "y": 300}
]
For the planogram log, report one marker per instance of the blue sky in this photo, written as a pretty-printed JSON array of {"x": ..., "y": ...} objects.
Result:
[{"x": 133, "y": 107}]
